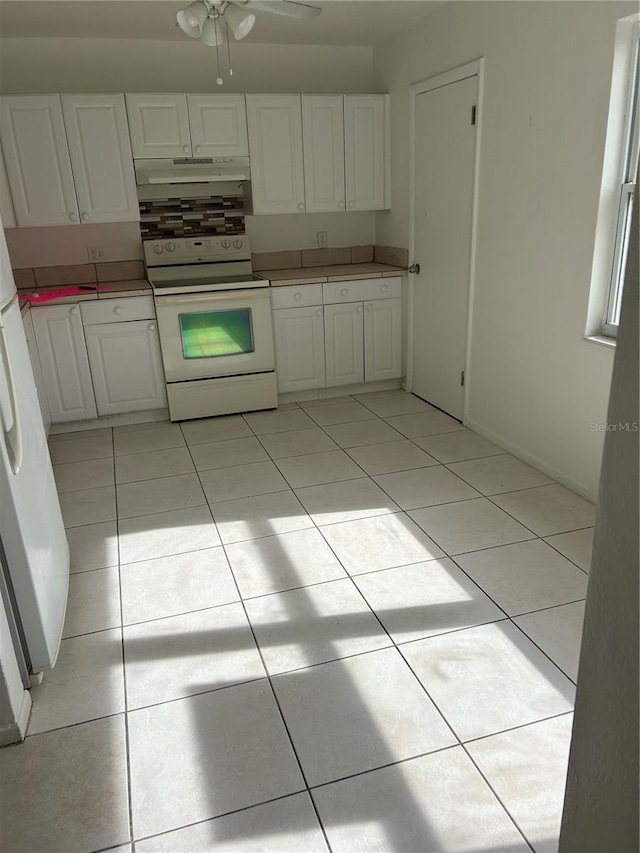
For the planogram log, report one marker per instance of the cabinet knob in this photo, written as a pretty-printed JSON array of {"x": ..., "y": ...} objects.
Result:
[
  {"x": 73, "y": 216},
  {"x": 352, "y": 204},
  {"x": 74, "y": 312},
  {"x": 384, "y": 288},
  {"x": 341, "y": 205},
  {"x": 344, "y": 291},
  {"x": 185, "y": 148},
  {"x": 369, "y": 307},
  {"x": 297, "y": 296},
  {"x": 359, "y": 309},
  {"x": 117, "y": 310},
  {"x": 198, "y": 149},
  {"x": 85, "y": 216},
  {"x": 152, "y": 327},
  {"x": 319, "y": 312},
  {"x": 301, "y": 206}
]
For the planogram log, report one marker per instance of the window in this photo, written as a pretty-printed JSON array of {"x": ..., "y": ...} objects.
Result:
[{"x": 626, "y": 190}]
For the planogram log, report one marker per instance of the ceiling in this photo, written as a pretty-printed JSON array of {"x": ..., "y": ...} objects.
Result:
[{"x": 345, "y": 22}]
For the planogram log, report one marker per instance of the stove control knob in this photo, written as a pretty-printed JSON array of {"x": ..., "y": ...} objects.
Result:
[
  {"x": 238, "y": 244},
  {"x": 226, "y": 244},
  {"x": 158, "y": 250},
  {"x": 171, "y": 247}
]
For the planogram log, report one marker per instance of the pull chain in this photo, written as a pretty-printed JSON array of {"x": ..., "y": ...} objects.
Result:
[
  {"x": 219, "y": 81},
  {"x": 228, "y": 48}
]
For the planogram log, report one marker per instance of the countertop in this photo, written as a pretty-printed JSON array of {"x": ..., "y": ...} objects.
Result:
[
  {"x": 341, "y": 272},
  {"x": 116, "y": 289},
  {"x": 293, "y": 275}
]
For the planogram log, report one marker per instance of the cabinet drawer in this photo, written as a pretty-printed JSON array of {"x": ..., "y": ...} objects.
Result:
[
  {"x": 118, "y": 310},
  {"x": 362, "y": 291},
  {"x": 296, "y": 296}
]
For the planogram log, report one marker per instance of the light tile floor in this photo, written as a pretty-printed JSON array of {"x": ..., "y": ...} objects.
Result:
[{"x": 347, "y": 625}]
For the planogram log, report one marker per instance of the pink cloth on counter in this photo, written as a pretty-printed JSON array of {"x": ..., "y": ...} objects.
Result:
[{"x": 46, "y": 294}]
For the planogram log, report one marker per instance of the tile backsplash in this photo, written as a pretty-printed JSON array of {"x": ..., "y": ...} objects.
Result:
[{"x": 184, "y": 217}]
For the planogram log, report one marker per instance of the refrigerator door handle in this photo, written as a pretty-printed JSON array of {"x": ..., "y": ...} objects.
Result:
[{"x": 8, "y": 407}]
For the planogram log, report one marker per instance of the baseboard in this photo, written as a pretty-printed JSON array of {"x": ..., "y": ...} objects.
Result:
[
  {"x": 16, "y": 732},
  {"x": 530, "y": 459},
  {"x": 339, "y": 391},
  {"x": 125, "y": 419}
]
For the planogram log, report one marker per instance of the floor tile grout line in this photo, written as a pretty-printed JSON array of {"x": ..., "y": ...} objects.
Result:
[
  {"x": 498, "y": 798},
  {"x": 123, "y": 657},
  {"x": 426, "y": 692}
]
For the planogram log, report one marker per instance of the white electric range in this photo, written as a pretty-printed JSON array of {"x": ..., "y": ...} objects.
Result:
[{"x": 214, "y": 321}]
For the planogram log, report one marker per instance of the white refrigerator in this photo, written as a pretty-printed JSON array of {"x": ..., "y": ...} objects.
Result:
[{"x": 32, "y": 535}]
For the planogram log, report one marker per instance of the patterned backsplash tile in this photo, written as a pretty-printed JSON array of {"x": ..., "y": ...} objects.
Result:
[{"x": 183, "y": 217}]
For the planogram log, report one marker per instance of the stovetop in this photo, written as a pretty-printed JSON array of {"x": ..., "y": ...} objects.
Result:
[{"x": 200, "y": 265}]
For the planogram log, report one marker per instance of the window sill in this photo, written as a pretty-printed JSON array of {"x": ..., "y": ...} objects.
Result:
[{"x": 601, "y": 340}]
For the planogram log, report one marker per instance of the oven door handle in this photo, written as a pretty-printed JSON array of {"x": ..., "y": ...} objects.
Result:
[{"x": 215, "y": 296}]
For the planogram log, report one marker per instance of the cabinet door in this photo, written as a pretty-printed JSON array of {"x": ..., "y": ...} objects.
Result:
[
  {"x": 6, "y": 204},
  {"x": 299, "y": 347},
  {"x": 323, "y": 137},
  {"x": 344, "y": 343},
  {"x": 65, "y": 366},
  {"x": 382, "y": 339},
  {"x": 275, "y": 145},
  {"x": 365, "y": 151},
  {"x": 101, "y": 158},
  {"x": 159, "y": 125},
  {"x": 34, "y": 358},
  {"x": 218, "y": 125},
  {"x": 113, "y": 349},
  {"x": 37, "y": 158}
]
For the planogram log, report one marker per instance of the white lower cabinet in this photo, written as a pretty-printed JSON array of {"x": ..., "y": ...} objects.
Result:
[
  {"x": 337, "y": 333},
  {"x": 65, "y": 365},
  {"x": 344, "y": 343},
  {"x": 126, "y": 366},
  {"x": 34, "y": 358},
  {"x": 299, "y": 348},
  {"x": 382, "y": 339}
]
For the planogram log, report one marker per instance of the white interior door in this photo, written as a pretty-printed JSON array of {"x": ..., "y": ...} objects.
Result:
[{"x": 443, "y": 156}]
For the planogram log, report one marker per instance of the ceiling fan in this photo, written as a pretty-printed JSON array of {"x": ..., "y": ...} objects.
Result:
[{"x": 207, "y": 19}]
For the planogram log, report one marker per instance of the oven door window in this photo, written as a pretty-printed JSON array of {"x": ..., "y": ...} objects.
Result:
[{"x": 212, "y": 334}]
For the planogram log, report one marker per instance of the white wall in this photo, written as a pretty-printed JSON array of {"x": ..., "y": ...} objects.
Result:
[
  {"x": 136, "y": 65},
  {"x": 145, "y": 65},
  {"x": 601, "y": 803},
  {"x": 535, "y": 384}
]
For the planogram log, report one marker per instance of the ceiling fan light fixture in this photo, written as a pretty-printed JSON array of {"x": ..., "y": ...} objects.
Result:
[
  {"x": 240, "y": 21},
  {"x": 212, "y": 32},
  {"x": 191, "y": 20}
]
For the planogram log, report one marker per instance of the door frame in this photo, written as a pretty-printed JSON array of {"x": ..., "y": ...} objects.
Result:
[{"x": 454, "y": 75}]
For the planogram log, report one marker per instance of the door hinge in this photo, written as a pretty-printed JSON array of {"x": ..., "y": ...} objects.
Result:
[
  {"x": 473, "y": 115},
  {"x": 462, "y": 377}
]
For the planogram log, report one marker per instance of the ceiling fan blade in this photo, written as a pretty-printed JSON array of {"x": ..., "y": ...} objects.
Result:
[{"x": 289, "y": 8}]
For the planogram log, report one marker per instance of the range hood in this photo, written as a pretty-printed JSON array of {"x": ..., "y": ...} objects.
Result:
[{"x": 191, "y": 170}]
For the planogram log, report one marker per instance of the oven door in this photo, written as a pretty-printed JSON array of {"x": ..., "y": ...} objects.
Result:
[{"x": 204, "y": 335}]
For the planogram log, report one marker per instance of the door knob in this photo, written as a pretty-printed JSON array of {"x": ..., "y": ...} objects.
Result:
[
  {"x": 319, "y": 312},
  {"x": 359, "y": 309},
  {"x": 117, "y": 310},
  {"x": 152, "y": 327},
  {"x": 74, "y": 312},
  {"x": 85, "y": 216},
  {"x": 341, "y": 205},
  {"x": 414, "y": 269},
  {"x": 352, "y": 204},
  {"x": 301, "y": 206},
  {"x": 344, "y": 291},
  {"x": 369, "y": 307},
  {"x": 198, "y": 149},
  {"x": 185, "y": 148},
  {"x": 297, "y": 296},
  {"x": 73, "y": 216}
]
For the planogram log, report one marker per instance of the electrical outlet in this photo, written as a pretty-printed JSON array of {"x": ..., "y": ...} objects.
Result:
[
  {"x": 95, "y": 253},
  {"x": 323, "y": 239}
]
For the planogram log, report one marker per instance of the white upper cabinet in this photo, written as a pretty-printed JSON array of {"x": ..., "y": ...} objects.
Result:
[
  {"x": 159, "y": 125},
  {"x": 218, "y": 125},
  {"x": 98, "y": 137},
  {"x": 323, "y": 134},
  {"x": 6, "y": 204},
  {"x": 37, "y": 159},
  {"x": 275, "y": 145},
  {"x": 366, "y": 151}
]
